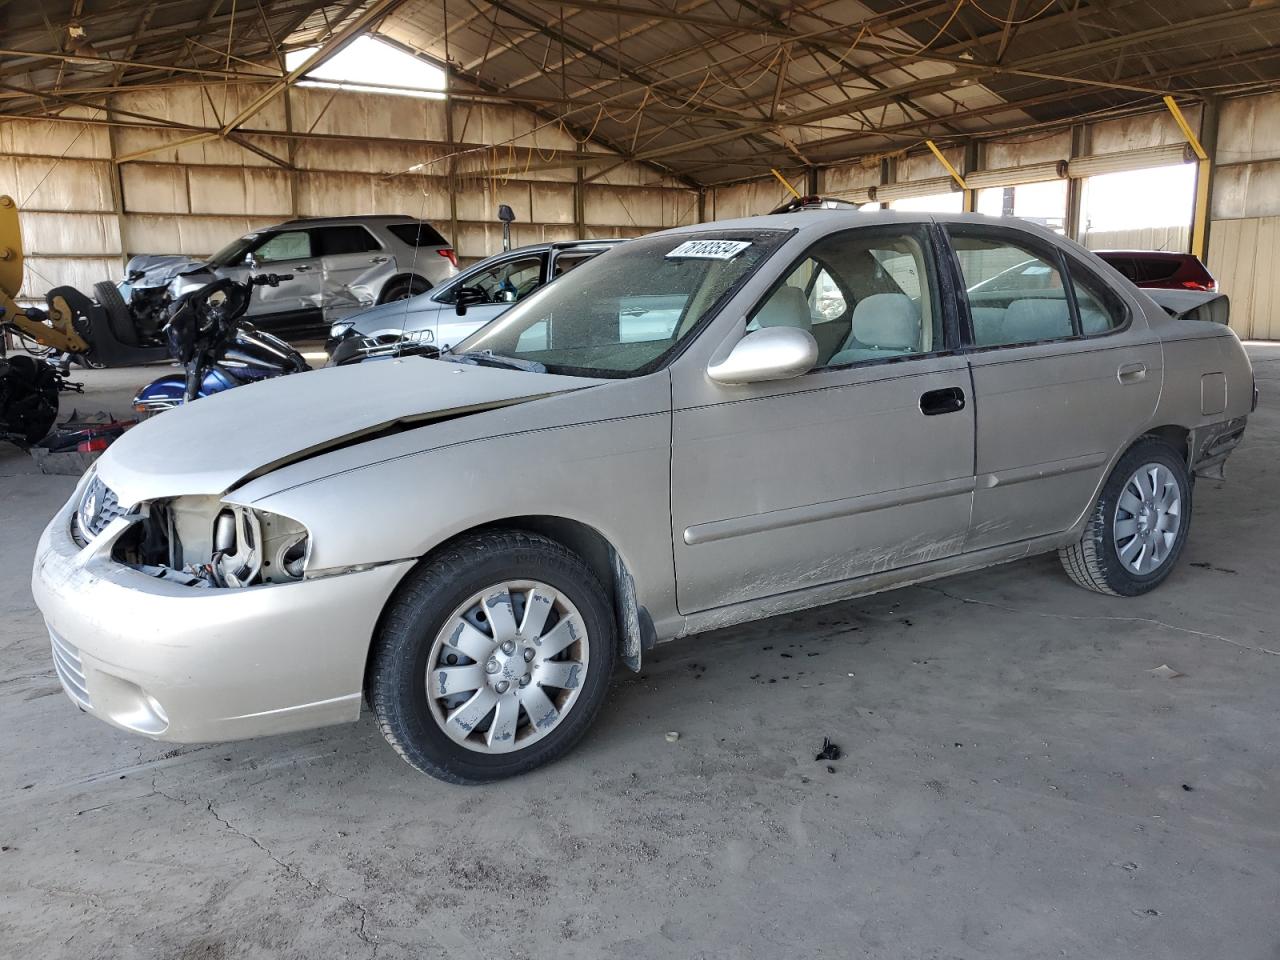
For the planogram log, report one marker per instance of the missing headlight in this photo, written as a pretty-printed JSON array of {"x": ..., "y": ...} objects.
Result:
[{"x": 252, "y": 546}]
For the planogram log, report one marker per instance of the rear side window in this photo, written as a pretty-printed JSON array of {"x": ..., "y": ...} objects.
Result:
[
  {"x": 417, "y": 234},
  {"x": 333, "y": 241},
  {"x": 1101, "y": 311},
  {"x": 567, "y": 261},
  {"x": 1016, "y": 292}
]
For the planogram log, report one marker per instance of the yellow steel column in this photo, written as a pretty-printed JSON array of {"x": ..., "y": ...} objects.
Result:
[
  {"x": 1204, "y": 169},
  {"x": 955, "y": 175}
]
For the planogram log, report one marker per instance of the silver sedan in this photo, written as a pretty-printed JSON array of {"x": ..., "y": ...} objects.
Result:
[{"x": 698, "y": 428}]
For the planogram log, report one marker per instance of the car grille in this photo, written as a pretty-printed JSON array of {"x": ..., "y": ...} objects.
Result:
[
  {"x": 98, "y": 507},
  {"x": 66, "y": 661}
]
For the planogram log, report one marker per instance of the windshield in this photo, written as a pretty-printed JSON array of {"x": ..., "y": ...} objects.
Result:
[
  {"x": 625, "y": 312},
  {"x": 233, "y": 253}
]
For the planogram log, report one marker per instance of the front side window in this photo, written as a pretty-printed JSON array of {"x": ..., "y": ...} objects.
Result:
[
  {"x": 289, "y": 245},
  {"x": 626, "y": 312},
  {"x": 1016, "y": 293},
  {"x": 865, "y": 295},
  {"x": 504, "y": 282}
]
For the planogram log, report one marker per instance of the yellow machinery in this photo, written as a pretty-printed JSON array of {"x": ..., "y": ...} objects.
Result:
[{"x": 56, "y": 330}]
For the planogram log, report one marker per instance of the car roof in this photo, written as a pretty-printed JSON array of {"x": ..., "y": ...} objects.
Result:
[
  {"x": 1148, "y": 254},
  {"x": 816, "y": 222},
  {"x": 378, "y": 218}
]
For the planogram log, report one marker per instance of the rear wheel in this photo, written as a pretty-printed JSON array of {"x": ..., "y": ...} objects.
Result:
[
  {"x": 404, "y": 288},
  {"x": 494, "y": 658},
  {"x": 1138, "y": 526}
]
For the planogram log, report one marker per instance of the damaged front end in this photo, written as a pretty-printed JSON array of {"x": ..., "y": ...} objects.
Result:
[{"x": 198, "y": 541}]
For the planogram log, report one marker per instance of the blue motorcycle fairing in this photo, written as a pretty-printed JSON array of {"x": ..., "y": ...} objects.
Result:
[{"x": 171, "y": 388}]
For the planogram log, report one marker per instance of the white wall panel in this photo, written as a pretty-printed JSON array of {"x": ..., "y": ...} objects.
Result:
[
  {"x": 40, "y": 274},
  {"x": 1242, "y": 256},
  {"x": 155, "y": 188},
  {"x": 50, "y": 183},
  {"x": 77, "y": 234}
]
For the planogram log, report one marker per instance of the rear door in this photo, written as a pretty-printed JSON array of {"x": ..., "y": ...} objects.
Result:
[
  {"x": 1065, "y": 374},
  {"x": 354, "y": 268}
]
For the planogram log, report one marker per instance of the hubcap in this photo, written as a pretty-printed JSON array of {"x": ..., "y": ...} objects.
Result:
[
  {"x": 507, "y": 667},
  {"x": 1148, "y": 517}
]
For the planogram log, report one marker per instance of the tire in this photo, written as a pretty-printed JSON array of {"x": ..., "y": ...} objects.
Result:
[
  {"x": 1107, "y": 559},
  {"x": 119, "y": 317},
  {"x": 442, "y": 731},
  {"x": 402, "y": 288}
]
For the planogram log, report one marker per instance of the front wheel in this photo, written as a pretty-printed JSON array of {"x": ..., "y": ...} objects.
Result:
[
  {"x": 494, "y": 657},
  {"x": 1138, "y": 525}
]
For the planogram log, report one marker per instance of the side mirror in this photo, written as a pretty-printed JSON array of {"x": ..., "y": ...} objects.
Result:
[
  {"x": 251, "y": 261},
  {"x": 773, "y": 353},
  {"x": 465, "y": 297}
]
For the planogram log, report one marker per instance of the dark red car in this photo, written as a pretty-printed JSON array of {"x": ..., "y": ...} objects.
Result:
[{"x": 1157, "y": 268}]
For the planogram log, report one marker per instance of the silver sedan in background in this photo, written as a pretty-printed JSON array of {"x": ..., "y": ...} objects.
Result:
[
  {"x": 698, "y": 428},
  {"x": 456, "y": 309}
]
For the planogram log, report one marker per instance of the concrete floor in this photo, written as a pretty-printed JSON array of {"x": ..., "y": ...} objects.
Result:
[{"x": 1016, "y": 783}]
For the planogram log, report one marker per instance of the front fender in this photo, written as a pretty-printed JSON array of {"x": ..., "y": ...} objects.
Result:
[{"x": 399, "y": 497}]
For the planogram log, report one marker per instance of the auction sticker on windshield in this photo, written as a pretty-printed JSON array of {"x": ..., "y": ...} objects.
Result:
[{"x": 709, "y": 249}]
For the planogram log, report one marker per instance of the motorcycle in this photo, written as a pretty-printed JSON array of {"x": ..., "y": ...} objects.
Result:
[
  {"x": 217, "y": 349},
  {"x": 28, "y": 399}
]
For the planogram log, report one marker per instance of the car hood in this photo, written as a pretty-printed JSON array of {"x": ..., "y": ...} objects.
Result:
[
  {"x": 209, "y": 446},
  {"x": 158, "y": 269},
  {"x": 414, "y": 313}
]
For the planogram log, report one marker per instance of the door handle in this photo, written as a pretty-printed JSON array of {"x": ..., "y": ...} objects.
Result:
[
  {"x": 301, "y": 268},
  {"x": 1131, "y": 372},
  {"x": 377, "y": 259},
  {"x": 946, "y": 400}
]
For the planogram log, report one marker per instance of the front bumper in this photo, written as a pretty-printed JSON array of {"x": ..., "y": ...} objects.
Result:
[{"x": 187, "y": 664}]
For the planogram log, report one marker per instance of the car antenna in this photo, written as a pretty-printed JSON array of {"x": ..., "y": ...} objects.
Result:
[{"x": 413, "y": 272}]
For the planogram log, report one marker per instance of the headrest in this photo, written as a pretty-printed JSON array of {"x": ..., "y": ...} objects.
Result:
[
  {"x": 786, "y": 308},
  {"x": 1036, "y": 318},
  {"x": 887, "y": 320}
]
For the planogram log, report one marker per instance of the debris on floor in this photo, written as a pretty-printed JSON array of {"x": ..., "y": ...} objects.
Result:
[
  {"x": 78, "y": 441},
  {"x": 672, "y": 736},
  {"x": 1165, "y": 672},
  {"x": 829, "y": 750}
]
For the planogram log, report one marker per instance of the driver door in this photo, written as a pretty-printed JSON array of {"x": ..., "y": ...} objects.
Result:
[
  {"x": 495, "y": 288},
  {"x": 862, "y": 465},
  {"x": 294, "y": 300}
]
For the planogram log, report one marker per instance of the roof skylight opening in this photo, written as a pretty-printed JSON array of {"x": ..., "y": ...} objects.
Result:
[{"x": 370, "y": 65}]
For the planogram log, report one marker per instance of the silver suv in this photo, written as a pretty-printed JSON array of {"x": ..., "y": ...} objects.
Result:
[{"x": 338, "y": 266}]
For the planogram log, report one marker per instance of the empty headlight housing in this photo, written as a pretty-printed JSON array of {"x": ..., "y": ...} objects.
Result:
[
  {"x": 203, "y": 541},
  {"x": 252, "y": 546}
]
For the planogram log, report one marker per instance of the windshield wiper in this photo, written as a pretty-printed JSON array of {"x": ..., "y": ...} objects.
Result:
[{"x": 487, "y": 358}]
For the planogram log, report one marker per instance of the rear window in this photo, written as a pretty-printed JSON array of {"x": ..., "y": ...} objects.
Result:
[
  {"x": 1151, "y": 269},
  {"x": 419, "y": 234}
]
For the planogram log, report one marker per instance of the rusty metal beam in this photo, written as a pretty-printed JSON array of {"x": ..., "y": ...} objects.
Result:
[{"x": 931, "y": 85}]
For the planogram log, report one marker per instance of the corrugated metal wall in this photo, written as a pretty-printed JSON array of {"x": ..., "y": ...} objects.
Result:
[{"x": 357, "y": 153}]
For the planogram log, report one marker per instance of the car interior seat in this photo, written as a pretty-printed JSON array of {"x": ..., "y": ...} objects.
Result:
[
  {"x": 786, "y": 308},
  {"x": 883, "y": 325},
  {"x": 1038, "y": 318}
]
